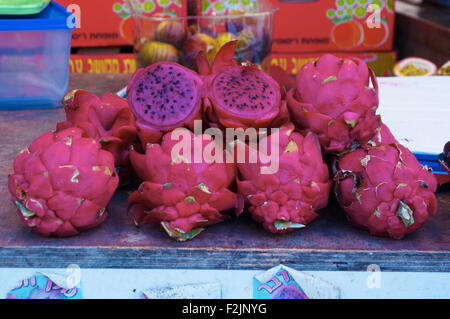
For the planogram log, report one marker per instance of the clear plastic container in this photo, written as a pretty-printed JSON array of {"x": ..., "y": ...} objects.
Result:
[
  {"x": 34, "y": 58},
  {"x": 180, "y": 38}
]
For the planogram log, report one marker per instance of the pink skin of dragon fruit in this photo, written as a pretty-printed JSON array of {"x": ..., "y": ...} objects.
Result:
[
  {"x": 62, "y": 183},
  {"x": 181, "y": 195},
  {"x": 240, "y": 96},
  {"x": 109, "y": 120},
  {"x": 289, "y": 198},
  {"x": 164, "y": 96},
  {"x": 383, "y": 188},
  {"x": 332, "y": 98}
]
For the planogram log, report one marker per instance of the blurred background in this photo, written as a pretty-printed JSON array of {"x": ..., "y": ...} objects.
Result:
[
  {"x": 381, "y": 32},
  {"x": 41, "y": 41}
]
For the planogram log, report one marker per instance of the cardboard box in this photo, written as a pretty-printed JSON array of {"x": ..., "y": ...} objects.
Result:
[
  {"x": 108, "y": 22},
  {"x": 314, "y": 26},
  {"x": 321, "y": 25},
  {"x": 333, "y": 25},
  {"x": 382, "y": 63}
]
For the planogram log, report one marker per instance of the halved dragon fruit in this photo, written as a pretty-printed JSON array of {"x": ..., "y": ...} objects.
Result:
[
  {"x": 240, "y": 96},
  {"x": 164, "y": 96}
]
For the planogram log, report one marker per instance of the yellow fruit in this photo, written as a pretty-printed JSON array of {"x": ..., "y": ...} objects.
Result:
[
  {"x": 223, "y": 38},
  {"x": 154, "y": 51}
]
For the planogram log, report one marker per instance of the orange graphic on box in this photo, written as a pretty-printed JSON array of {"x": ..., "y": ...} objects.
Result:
[{"x": 359, "y": 22}]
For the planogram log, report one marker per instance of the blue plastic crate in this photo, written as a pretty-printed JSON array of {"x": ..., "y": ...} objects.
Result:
[
  {"x": 431, "y": 160},
  {"x": 34, "y": 58}
]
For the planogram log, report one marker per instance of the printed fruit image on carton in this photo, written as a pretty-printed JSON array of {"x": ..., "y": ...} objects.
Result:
[
  {"x": 360, "y": 23},
  {"x": 148, "y": 7},
  {"x": 126, "y": 29},
  {"x": 347, "y": 34},
  {"x": 376, "y": 36},
  {"x": 213, "y": 7}
]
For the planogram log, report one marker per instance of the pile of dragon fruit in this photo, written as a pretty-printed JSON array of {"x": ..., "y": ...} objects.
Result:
[{"x": 329, "y": 137}]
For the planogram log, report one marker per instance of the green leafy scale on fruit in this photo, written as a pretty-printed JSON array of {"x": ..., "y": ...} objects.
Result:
[
  {"x": 330, "y": 78},
  {"x": 190, "y": 199},
  {"x": 406, "y": 214},
  {"x": 178, "y": 234},
  {"x": 284, "y": 224},
  {"x": 204, "y": 188},
  {"x": 26, "y": 213}
]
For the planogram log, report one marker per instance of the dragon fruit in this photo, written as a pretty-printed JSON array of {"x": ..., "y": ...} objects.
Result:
[
  {"x": 109, "y": 120},
  {"x": 444, "y": 160},
  {"x": 240, "y": 96},
  {"x": 181, "y": 194},
  {"x": 333, "y": 99},
  {"x": 383, "y": 188},
  {"x": 287, "y": 199},
  {"x": 62, "y": 183},
  {"x": 164, "y": 96}
]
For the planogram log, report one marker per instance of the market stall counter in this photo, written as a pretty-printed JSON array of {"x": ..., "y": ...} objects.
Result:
[{"x": 330, "y": 243}]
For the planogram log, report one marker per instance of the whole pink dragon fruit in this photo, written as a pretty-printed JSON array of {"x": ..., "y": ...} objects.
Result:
[
  {"x": 62, "y": 183},
  {"x": 288, "y": 198},
  {"x": 332, "y": 98},
  {"x": 181, "y": 193},
  {"x": 383, "y": 188},
  {"x": 164, "y": 96},
  {"x": 240, "y": 96},
  {"x": 109, "y": 120}
]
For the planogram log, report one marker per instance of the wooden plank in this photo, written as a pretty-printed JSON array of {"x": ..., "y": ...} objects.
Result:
[
  {"x": 330, "y": 243},
  {"x": 228, "y": 259}
]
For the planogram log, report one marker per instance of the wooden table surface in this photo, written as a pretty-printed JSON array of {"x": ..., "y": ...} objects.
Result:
[{"x": 330, "y": 243}]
